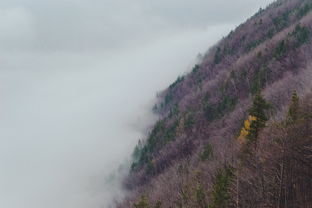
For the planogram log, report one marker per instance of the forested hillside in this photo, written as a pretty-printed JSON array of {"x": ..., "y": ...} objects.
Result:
[{"x": 237, "y": 130}]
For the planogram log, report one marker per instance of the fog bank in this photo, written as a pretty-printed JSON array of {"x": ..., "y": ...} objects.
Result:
[{"x": 78, "y": 79}]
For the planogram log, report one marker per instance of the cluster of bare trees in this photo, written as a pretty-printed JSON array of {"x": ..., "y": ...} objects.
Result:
[
  {"x": 208, "y": 107},
  {"x": 279, "y": 172}
]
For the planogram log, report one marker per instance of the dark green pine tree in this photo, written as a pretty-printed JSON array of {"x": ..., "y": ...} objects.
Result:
[
  {"x": 257, "y": 110},
  {"x": 143, "y": 203},
  {"x": 220, "y": 194},
  {"x": 292, "y": 114},
  {"x": 158, "y": 204}
]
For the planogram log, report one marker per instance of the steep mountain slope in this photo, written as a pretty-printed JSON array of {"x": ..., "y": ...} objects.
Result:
[{"x": 232, "y": 132}]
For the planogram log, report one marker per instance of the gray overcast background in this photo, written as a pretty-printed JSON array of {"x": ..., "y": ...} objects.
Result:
[{"x": 77, "y": 80}]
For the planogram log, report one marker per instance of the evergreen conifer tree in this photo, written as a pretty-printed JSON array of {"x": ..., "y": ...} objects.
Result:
[
  {"x": 258, "y": 111},
  {"x": 292, "y": 114}
]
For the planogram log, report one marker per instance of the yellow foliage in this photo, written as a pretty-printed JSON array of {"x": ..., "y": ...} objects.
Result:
[
  {"x": 245, "y": 130},
  {"x": 247, "y": 125},
  {"x": 252, "y": 118}
]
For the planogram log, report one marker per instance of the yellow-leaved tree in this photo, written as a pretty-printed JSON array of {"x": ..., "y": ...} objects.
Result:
[{"x": 245, "y": 130}]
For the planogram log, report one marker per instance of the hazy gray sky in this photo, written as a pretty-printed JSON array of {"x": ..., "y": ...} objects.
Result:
[{"x": 77, "y": 80}]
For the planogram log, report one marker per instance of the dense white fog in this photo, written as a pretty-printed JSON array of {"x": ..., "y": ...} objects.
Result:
[{"x": 77, "y": 82}]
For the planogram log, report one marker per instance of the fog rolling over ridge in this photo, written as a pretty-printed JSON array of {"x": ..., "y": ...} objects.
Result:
[{"x": 77, "y": 82}]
